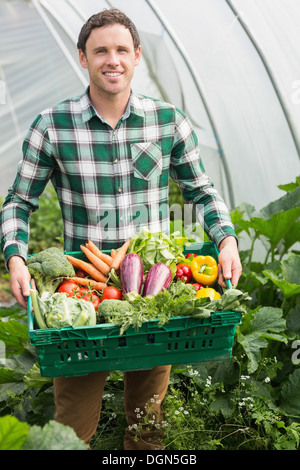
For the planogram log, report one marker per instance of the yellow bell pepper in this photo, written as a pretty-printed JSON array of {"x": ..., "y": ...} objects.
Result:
[
  {"x": 204, "y": 270},
  {"x": 208, "y": 292}
]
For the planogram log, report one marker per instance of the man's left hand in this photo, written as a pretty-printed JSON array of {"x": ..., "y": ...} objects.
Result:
[{"x": 230, "y": 266}]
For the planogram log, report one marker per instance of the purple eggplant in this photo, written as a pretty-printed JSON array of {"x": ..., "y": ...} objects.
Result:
[
  {"x": 131, "y": 272},
  {"x": 158, "y": 278}
]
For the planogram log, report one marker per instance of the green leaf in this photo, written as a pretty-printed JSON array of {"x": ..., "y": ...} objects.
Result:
[
  {"x": 288, "y": 279},
  {"x": 15, "y": 336},
  {"x": 222, "y": 405},
  {"x": 290, "y": 394},
  {"x": 287, "y": 288},
  {"x": 13, "y": 433},
  {"x": 284, "y": 203},
  {"x": 263, "y": 324},
  {"x": 291, "y": 268},
  {"x": 293, "y": 320},
  {"x": 290, "y": 186},
  {"x": 292, "y": 237},
  {"x": 34, "y": 379},
  {"x": 277, "y": 226},
  {"x": 53, "y": 436}
]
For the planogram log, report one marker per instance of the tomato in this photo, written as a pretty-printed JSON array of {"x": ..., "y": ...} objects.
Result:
[
  {"x": 80, "y": 292},
  {"x": 92, "y": 297},
  {"x": 111, "y": 292},
  {"x": 197, "y": 285},
  {"x": 81, "y": 273},
  {"x": 68, "y": 287},
  {"x": 183, "y": 272}
]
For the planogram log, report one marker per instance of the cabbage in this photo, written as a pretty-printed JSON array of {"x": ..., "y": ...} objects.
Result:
[{"x": 58, "y": 310}]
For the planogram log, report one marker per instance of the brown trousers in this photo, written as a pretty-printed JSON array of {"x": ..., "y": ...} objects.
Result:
[{"x": 78, "y": 403}]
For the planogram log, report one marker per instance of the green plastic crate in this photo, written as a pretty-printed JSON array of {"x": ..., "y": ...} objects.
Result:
[{"x": 183, "y": 340}]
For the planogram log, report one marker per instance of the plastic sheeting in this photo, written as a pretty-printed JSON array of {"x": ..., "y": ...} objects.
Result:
[{"x": 233, "y": 67}]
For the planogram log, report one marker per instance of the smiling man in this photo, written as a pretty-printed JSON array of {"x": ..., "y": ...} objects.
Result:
[
  {"x": 111, "y": 150},
  {"x": 110, "y": 56}
]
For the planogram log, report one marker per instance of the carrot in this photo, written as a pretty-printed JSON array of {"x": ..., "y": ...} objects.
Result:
[
  {"x": 97, "y": 262},
  {"x": 112, "y": 253},
  {"x": 84, "y": 281},
  {"x": 120, "y": 255},
  {"x": 88, "y": 268},
  {"x": 94, "y": 249}
]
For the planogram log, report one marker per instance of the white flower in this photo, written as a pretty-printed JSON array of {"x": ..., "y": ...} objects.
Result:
[{"x": 267, "y": 380}]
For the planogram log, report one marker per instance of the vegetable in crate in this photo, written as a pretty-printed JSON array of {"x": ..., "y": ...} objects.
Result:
[
  {"x": 158, "y": 247},
  {"x": 204, "y": 270},
  {"x": 208, "y": 292},
  {"x": 48, "y": 267},
  {"x": 111, "y": 292},
  {"x": 158, "y": 278},
  {"x": 59, "y": 310},
  {"x": 131, "y": 273},
  {"x": 183, "y": 272}
]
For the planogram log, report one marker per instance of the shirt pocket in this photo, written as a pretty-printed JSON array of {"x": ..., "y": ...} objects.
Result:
[{"x": 146, "y": 160}]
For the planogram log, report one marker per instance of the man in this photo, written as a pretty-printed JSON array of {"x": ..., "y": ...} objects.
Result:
[{"x": 110, "y": 150}]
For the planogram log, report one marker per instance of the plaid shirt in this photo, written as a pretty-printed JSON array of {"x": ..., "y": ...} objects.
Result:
[{"x": 109, "y": 181}]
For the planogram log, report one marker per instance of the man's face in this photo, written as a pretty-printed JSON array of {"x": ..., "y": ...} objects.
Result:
[{"x": 110, "y": 58}]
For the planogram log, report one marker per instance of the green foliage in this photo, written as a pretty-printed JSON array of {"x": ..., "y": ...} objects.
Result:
[
  {"x": 17, "y": 435},
  {"x": 249, "y": 402}
]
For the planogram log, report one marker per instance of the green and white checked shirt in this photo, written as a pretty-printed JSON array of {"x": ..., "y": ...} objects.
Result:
[{"x": 109, "y": 182}]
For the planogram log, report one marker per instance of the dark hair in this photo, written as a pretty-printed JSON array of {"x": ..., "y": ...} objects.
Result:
[{"x": 107, "y": 17}]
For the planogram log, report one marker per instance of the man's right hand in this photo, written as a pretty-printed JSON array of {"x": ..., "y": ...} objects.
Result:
[{"x": 19, "y": 280}]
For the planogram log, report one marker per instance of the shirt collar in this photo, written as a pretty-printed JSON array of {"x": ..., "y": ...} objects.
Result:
[{"x": 88, "y": 111}]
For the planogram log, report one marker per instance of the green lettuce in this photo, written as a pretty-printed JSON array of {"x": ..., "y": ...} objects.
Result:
[{"x": 158, "y": 247}]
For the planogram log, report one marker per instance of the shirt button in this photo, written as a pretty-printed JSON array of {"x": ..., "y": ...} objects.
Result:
[
  {"x": 120, "y": 190},
  {"x": 116, "y": 160},
  {"x": 121, "y": 218}
]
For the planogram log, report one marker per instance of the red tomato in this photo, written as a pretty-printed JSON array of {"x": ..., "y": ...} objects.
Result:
[
  {"x": 69, "y": 287},
  {"x": 197, "y": 285},
  {"x": 183, "y": 272},
  {"x": 92, "y": 297},
  {"x": 80, "y": 273},
  {"x": 81, "y": 291},
  {"x": 111, "y": 292}
]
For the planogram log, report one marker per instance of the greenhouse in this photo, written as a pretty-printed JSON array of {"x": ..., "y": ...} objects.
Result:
[{"x": 145, "y": 345}]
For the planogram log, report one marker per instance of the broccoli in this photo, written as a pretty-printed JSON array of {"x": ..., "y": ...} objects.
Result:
[{"x": 48, "y": 267}]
